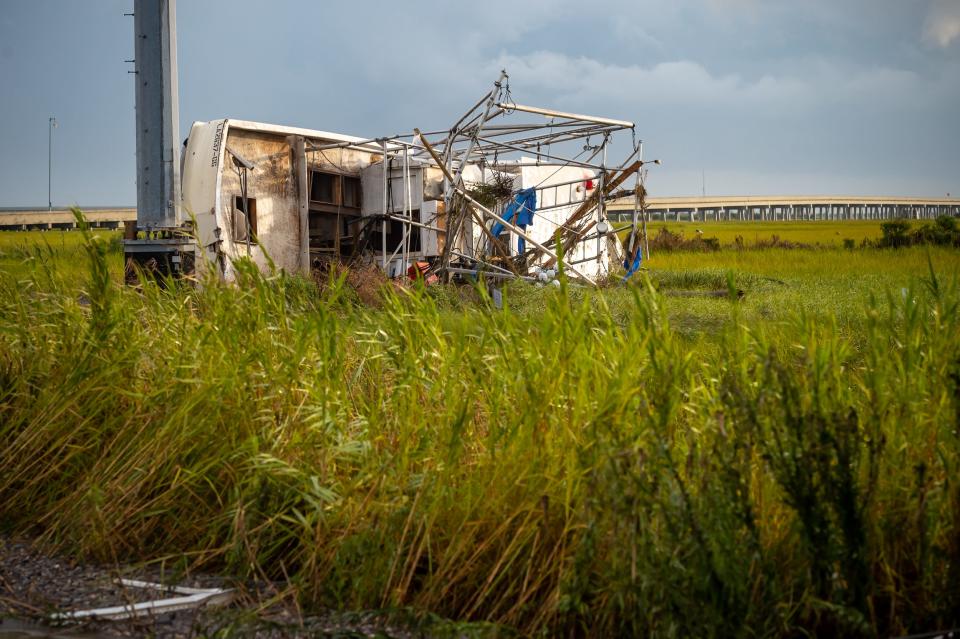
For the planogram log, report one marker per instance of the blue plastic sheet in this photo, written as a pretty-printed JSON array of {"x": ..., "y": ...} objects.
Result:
[
  {"x": 519, "y": 213},
  {"x": 633, "y": 266}
]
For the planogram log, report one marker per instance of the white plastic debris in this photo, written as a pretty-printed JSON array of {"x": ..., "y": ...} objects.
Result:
[{"x": 190, "y": 598}]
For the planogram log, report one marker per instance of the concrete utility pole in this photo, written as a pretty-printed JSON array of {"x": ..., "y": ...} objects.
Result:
[
  {"x": 50, "y": 127},
  {"x": 158, "y": 116}
]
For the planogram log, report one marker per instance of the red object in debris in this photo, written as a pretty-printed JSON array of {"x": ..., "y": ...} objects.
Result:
[
  {"x": 588, "y": 185},
  {"x": 418, "y": 270}
]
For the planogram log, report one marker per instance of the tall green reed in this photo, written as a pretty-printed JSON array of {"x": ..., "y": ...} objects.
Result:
[{"x": 571, "y": 470}]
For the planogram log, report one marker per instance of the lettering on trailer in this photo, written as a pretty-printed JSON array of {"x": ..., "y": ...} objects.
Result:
[{"x": 217, "y": 140}]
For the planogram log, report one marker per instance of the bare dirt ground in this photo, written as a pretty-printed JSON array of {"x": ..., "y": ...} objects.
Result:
[{"x": 35, "y": 585}]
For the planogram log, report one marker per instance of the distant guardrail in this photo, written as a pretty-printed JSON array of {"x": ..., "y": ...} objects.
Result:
[
  {"x": 22, "y": 219},
  {"x": 786, "y": 208}
]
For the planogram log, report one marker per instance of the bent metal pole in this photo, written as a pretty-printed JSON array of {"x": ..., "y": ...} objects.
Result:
[
  {"x": 515, "y": 229},
  {"x": 523, "y": 234}
]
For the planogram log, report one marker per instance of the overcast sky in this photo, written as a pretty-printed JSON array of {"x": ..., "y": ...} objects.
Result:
[{"x": 755, "y": 96}]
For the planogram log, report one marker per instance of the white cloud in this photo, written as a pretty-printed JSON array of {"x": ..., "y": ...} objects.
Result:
[
  {"x": 584, "y": 81},
  {"x": 942, "y": 25},
  {"x": 635, "y": 34}
]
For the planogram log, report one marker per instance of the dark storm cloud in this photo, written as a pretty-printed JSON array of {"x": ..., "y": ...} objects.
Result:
[{"x": 762, "y": 96}]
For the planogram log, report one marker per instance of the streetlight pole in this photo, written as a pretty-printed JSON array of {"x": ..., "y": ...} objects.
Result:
[{"x": 52, "y": 125}]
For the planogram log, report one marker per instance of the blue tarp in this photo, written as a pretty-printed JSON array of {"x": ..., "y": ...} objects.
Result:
[
  {"x": 634, "y": 266},
  {"x": 519, "y": 213}
]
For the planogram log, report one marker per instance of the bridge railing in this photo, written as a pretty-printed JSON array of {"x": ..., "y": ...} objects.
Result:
[{"x": 679, "y": 211}]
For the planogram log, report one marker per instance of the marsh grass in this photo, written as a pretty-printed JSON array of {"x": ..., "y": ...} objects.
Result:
[
  {"x": 825, "y": 233},
  {"x": 573, "y": 464}
]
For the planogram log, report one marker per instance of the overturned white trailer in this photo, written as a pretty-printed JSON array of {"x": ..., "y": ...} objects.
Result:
[{"x": 291, "y": 198}]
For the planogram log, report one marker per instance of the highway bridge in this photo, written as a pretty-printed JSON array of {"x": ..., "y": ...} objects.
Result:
[
  {"x": 786, "y": 208},
  {"x": 679, "y": 209},
  {"x": 22, "y": 219}
]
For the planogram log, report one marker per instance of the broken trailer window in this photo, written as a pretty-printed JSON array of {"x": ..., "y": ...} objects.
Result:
[{"x": 242, "y": 230}]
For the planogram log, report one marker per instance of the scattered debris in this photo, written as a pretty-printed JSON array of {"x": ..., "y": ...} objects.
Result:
[
  {"x": 738, "y": 293},
  {"x": 191, "y": 598},
  {"x": 665, "y": 240}
]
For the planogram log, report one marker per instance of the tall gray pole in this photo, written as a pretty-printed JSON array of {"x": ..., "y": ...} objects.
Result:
[
  {"x": 50, "y": 126},
  {"x": 386, "y": 220},
  {"x": 158, "y": 116}
]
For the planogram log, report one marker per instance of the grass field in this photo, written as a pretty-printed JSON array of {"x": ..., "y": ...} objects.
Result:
[
  {"x": 644, "y": 460},
  {"x": 831, "y": 233}
]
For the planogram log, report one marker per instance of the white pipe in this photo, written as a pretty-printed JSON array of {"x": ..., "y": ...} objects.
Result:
[
  {"x": 199, "y": 597},
  {"x": 561, "y": 114},
  {"x": 410, "y": 221}
]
